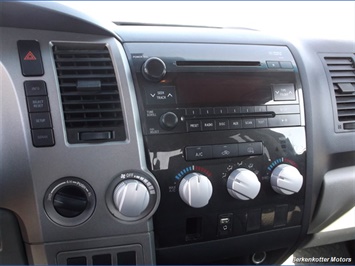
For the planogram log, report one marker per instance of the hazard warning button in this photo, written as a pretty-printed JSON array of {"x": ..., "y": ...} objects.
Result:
[{"x": 30, "y": 58}]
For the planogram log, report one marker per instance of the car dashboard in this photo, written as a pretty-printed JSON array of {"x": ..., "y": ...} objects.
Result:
[{"x": 150, "y": 144}]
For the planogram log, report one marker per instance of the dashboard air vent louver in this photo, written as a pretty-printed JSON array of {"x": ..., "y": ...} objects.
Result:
[
  {"x": 89, "y": 93},
  {"x": 342, "y": 73}
]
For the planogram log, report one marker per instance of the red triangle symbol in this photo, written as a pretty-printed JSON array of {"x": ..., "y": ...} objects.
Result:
[{"x": 30, "y": 57}]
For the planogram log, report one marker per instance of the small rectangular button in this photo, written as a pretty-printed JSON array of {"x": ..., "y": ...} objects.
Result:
[
  {"x": 35, "y": 88},
  {"x": 248, "y": 123},
  {"x": 194, "y": 153},
  {"x": 192, "y": 111},
  {"x": 88, "y": 136},
  {"x": 30, "y": 58},
  {"x": 193, "y": 126},
  {"x": 225, "y": 151},
  {"x": 222, "y": 124},
  {"x": 248, "y": 109},
  {"x": 220, "y": 110},
  {"x": 281, "y": 215},
  {"x": 208, "y": 125},
  {"x": 260, "y": 109},
  {"x": 250, "y": 148},
  {"x": 207, "y": 111},
  {"x": 273, "y": 64},
  {"x": 284, "y": 109},
  {"x": 43, "y": 137},
  {"x": 260, "y": 122},
  {"x": 235, "y": 123},
  {"x": 286, "y": 65},
  {"x": 234, "y": 110},
  {"x": 40, "y": 120},
  {"x": 160, "y": 95},
  {"x": 37, "y": 104},
  {"x": 284, "y": 92},
  {"x": 284, "y": 121}
]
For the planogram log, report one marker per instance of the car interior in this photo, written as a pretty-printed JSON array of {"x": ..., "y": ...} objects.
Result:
[{"x": 131, "y": 144}]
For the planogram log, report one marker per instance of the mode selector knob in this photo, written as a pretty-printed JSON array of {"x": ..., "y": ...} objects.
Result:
[
  {"x": 243, "y": 184},
  {"x": 131, "y": 198},
  {"x": 154, "y": 69},
  {"x": 195, "y": 190},
  {"x": 169, "y": 120},
  {"x": 286, "y": 179}
]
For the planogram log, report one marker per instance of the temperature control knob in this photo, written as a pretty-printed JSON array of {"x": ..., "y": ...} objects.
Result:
[
  {"x": 131, "y": 198},
  {"x": 286, "y": 179},
  {"x": 195, "y": 190},
  {"x": 154, "y": 69},
  {"x": 243, "y": 184}
]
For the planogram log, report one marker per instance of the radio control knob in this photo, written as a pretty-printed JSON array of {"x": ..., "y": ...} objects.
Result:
[
  {"x": 169, "y": 120},
  {"x": 243, "y": 184},
  {"x": 286, "y": 179},
  {"x": 154, "y": 69},
  {"x": 195, "y": 190},
  {"x": 131, "y": 198}
]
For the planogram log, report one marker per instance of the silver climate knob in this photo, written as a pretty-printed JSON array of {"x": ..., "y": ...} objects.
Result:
[
  {"x": 243, "y": 184},
  {"x": 286, "y": 179},
  {"x": 195, "y": 190},
  {"x": 131, "y": 198}
]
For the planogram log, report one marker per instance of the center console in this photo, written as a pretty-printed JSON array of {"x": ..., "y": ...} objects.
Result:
[{"x": 225, "y": 138}]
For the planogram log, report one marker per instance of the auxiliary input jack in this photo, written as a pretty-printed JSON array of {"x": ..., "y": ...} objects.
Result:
[{"x": 258, "y": 257}]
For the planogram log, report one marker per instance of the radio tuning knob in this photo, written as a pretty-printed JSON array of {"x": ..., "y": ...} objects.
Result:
[
  {"x": 286, "y": 179},
  {"x": 195, "y": 190},
  {"x": 243, "y": 184},
  {"x": 154, "y": 69},
  {"x": 169, "y": 120}
]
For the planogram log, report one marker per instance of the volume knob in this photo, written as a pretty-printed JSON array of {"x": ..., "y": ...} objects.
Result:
[
  {"x": 243, "y": 184},
  {"x": 195, "y": 190},
  {"x": 286, "y": 179},
  {"x": 154, "y": 69}
]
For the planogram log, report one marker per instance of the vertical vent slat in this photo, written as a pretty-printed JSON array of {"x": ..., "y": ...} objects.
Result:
[
  {"x": 342, "y": 73},
  {"x": 89, "y": 92}
]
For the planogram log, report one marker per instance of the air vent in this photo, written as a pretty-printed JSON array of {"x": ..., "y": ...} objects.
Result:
[
  {"x": 342, "y": 73},
  {"x": 89, "y": 92}
]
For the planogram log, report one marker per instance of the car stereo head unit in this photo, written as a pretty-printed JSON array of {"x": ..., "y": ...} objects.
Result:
[{"x": 243, "y": 88}]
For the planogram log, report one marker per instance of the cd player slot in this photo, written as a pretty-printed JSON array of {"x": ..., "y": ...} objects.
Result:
[{"x": 218, "y": 63}]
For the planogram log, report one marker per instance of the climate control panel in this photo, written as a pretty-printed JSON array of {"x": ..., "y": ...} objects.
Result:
[{"x": 227, "y": 184}]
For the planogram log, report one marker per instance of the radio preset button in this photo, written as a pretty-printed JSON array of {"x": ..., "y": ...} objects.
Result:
[
  {"x": 234, "y": 110},
  {"x": 260, "y": 109},
  {"x": 247, "y": 109},
  {"x": 207, "y": 111},
  {"x": 220, "y": 110},
  {"x": 192, "y": 111}
]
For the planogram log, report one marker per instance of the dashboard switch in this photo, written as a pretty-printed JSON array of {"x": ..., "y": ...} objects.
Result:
[{"x": 30, "y": 58}]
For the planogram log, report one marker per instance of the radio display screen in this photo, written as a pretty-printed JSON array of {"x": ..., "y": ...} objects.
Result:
[{"x": 212, "y": 89}]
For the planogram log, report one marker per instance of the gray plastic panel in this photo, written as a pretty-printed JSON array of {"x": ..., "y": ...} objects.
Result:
[
  {"x": 27, "y": 172},
  {"x": 337, "y": 197}
]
